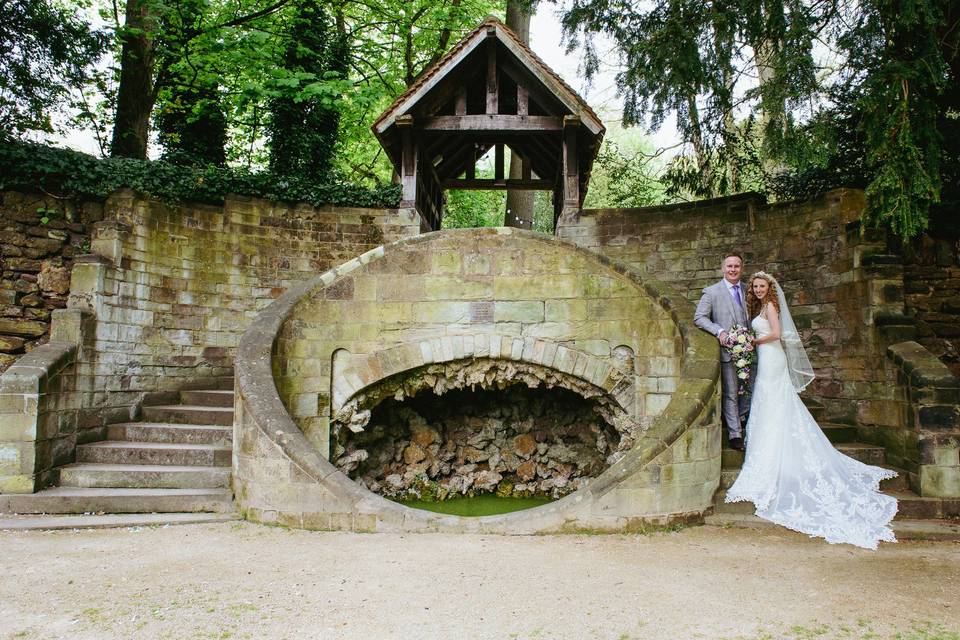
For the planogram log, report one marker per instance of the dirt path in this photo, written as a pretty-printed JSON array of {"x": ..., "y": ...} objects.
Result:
[{"x": 240, "y": 580}]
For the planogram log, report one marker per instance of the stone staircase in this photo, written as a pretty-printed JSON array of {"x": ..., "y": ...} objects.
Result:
[
  {"x": 912, "y": 507},
  {"x": 176, "y": 460}
]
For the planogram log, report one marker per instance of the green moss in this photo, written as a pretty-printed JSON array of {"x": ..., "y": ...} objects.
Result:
[{"x": 475, "y": 506}]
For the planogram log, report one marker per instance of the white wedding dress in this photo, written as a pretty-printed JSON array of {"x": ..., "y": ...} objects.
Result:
[{"x": 792, "y": 473}]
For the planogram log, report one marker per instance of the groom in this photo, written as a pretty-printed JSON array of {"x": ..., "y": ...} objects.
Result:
[{"x": 723, "y": 305}]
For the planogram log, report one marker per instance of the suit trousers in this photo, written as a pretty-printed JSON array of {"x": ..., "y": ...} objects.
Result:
[{"x": 733, "y": 405}]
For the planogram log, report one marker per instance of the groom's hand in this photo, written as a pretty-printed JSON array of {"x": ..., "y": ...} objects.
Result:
[{"x": 722, "y": 338}]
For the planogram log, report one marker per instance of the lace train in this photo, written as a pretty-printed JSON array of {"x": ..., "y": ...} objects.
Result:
[{"x": 794, "y": 475}]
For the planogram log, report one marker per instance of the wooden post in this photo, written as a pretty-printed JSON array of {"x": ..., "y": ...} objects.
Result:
[
  {"x": 571, "y": 163},
  {"x": 523, "y": 101},
  {"x": 460, "y": 105},
  {"x": 493, "y": 100},
  {"x": 472, "y": 167},
  {"x": 408, "y": 164},
  {"x": 498, "y": 163}
]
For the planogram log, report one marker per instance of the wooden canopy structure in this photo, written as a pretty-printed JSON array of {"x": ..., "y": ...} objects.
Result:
[{"x": 489, "y": 91}]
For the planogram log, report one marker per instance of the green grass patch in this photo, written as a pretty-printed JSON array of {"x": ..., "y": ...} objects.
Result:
[{"x": 482, "y": 505}]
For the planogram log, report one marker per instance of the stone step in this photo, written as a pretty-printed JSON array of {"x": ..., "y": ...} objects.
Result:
[
  {"x": 101, "y": 501},
  {"x": 728, "y": 477},
  {"x": 912, "y": 506},
  {"x": 906, "y": 529},
  {"x": 170, "y": 433},
  {"x": 110, "y": 521},
  {"x": 868, "y": 453},
  {"x": 143, "y": 476},
  {"x": 155, "y": 453},
  {"x": 189, "y": 414},
  {"x": 839, "y": 433},
  {"x": 730, "y": 459},
  {"x": 900, "y": 483},
  {"x": 719, "y": 506},
  {"x": 208, "y": 398},
  {"x": 816, "y": 409}
]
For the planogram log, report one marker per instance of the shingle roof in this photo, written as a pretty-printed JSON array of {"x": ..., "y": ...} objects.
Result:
[{"x": 503, "y": 30}]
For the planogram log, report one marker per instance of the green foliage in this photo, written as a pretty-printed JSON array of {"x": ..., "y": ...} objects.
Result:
[
  {"x": 45, "y": 52},
  {"x": 471, "y": 209},
  {"x": 624, "y": 175},
  {"x": 71, "y": 174},
  {"x": 189, "y": 115},
  {"x": 882, "y": 115},
  {"x": 304, "y": 120},
  {"x": 192, "y": 128}
]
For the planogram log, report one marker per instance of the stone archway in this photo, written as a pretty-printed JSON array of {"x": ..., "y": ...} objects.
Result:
[
  {"x": 547, "y": 309},
  {"x": 520, "y": 428}
]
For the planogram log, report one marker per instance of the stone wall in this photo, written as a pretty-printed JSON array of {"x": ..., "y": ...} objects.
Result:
[
  {"x": 818, "y": 252},
  {"x": 174, "y": 288},
  {"x": 41, "y": 417},
  {"x": 932, "y": 287},
  {"x": 170, "y": 289},
  {"x": 39, "y": 237}
]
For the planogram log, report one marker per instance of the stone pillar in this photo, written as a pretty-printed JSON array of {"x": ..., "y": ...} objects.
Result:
[{"x": 933, "y": 419}]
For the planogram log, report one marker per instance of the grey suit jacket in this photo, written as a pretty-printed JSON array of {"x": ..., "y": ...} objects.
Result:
[{"x": 718, "y": 312}]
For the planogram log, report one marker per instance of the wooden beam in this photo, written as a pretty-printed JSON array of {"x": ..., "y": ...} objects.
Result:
[
  {"x": 460, "y": 103},
  {"x": 523, "y": 101},
  {"x": 492, "y": 89},
  {"x": 491, "y": 123},
  {"x": 571, "y": 162},
  {"x": 459, "y": 161},
  {"x": 554, "y": 85},
  {"x": 472, "y": 162},
  {"x": 490, "y": 185},
  {"x": 498, "y": 163},
  {"x": 408, "y": 163},
  {"x": 532, "y": 86}
]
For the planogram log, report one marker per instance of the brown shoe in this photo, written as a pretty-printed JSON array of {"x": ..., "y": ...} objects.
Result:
[{"x": 737, "y": 444}]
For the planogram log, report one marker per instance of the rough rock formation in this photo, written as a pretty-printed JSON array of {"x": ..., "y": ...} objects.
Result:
[{"x": 518, "y": 441}]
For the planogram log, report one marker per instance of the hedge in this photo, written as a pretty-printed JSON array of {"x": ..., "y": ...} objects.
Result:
[{"x": 71, "y": 174}]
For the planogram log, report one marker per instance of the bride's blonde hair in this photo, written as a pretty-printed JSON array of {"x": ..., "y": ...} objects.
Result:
[{"x": 754, "y": 304}]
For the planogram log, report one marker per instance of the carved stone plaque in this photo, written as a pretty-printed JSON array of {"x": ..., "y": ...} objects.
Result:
[{"x": 481, "y": 312}]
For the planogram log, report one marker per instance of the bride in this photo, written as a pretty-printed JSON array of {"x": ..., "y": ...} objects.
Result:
[{"x": 792, "y": 473}]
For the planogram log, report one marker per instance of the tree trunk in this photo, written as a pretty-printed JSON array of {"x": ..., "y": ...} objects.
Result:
[
  {"x": 135, "y": 95},
  {"x": 519, "y": 211},
  {"x": 696, "y": 139}
]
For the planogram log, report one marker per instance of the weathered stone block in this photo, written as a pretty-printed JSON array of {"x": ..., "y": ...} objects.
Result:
[
  {"x": 940, "y": 482},
  {"x": 523, "y": 311},
  {"x": 938, "y": 417}
]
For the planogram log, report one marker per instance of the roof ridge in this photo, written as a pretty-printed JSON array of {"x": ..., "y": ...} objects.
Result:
[{"x": 493, "y": 20}]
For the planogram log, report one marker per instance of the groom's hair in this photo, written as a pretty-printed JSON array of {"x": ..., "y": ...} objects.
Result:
[{"x": 731, "y": 254}]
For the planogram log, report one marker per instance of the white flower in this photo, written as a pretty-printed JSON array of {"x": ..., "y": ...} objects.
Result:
[
  {"x": 738, "y": 348},
  {"x": 741, "y": 363},
  {"x": 741, "y": 339},
  {"x": 743, "y": 375}
]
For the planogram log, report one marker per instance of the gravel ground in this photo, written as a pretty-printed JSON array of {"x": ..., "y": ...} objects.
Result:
[{"x": 238, "y": 580}]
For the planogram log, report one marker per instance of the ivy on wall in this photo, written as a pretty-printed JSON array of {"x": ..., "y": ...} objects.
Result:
[{"x": 70, "y": 174}]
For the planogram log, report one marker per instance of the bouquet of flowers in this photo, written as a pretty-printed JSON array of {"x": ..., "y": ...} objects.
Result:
[{"x": 743, "y": 355}]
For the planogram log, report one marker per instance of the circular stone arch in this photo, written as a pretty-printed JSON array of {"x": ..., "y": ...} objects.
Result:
[{"x": 502, "y": 294}]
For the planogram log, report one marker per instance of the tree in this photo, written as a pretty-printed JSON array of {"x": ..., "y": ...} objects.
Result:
[
  {"x": 154, "y": 40},
  {"x": 45, "y": 52},
  {"x": 303, "y": 124},
  {"x": 519, "y": 209},
  {"x": 189, "y": 115},
  {"x": 696, "y": 60}
]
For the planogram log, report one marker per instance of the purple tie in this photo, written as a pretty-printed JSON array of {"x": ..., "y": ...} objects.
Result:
[{"x": 736, "y": 295}]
